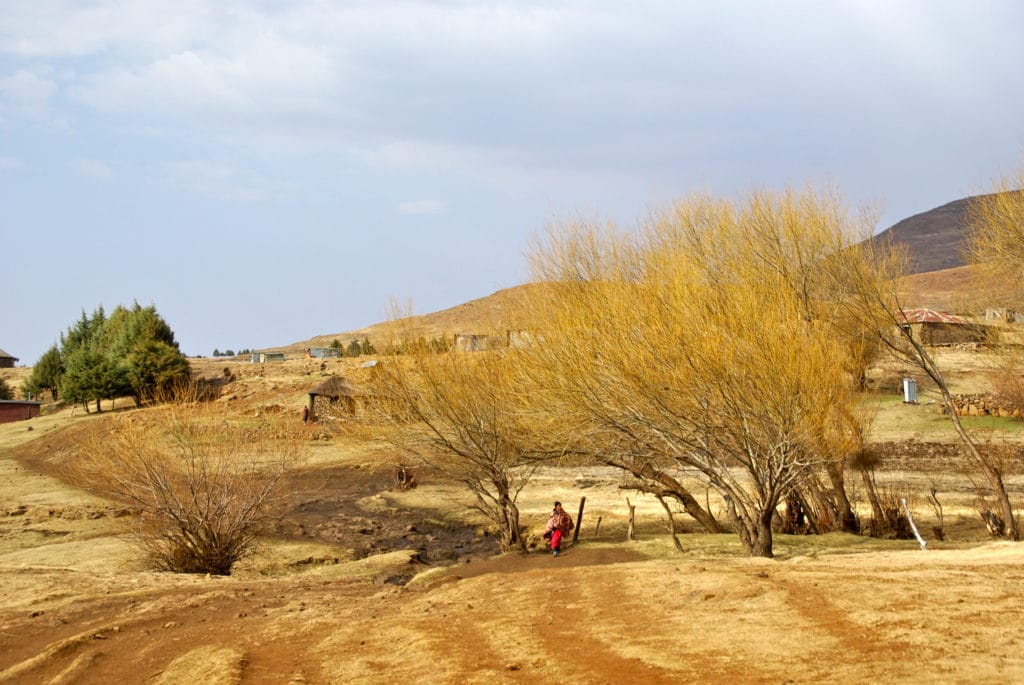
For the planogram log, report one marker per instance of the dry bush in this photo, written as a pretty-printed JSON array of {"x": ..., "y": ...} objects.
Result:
[
  {"x": 893, "y": 522},
  {"x": 203, "y": 486}
]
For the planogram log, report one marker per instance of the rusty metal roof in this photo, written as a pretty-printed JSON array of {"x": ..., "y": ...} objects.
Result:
[{"x": 932, "y": 316}]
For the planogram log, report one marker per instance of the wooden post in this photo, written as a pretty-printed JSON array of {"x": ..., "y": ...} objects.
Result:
[
  {"x": 632, "y": 515},
  {"x": 579, "y": 521},
  {"x": 597, "y": 528}
]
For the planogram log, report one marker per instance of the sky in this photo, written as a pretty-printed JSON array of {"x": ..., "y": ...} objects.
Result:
[{"x": 267, "y": 171}]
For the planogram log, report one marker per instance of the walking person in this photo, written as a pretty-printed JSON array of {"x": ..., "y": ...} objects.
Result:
[{"x": 558, "y": 526}]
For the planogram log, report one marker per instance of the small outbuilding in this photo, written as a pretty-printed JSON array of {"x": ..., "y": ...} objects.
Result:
[
  {"x": 469, "y": 342},
  {"x": 7, "y": 361},
  {"x": 335, "y": 397},
  {"x": 933, "y": 327},
  {"x": 18, "y": 410},
  {"x": 263, "y": 357},
  {"x": 322, "y": 353}
]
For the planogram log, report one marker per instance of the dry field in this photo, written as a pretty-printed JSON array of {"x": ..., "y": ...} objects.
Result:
[{"x": 363, "y": 584}]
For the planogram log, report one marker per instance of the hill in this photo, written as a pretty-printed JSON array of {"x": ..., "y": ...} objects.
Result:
[
  {"x": 936, "y": 239},
  {"x": 494, "y": 314}
]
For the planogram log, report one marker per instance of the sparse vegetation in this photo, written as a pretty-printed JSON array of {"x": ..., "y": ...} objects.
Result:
[
  {"x": 202, "y": 486},
  {"x": 464, "y": 415}
]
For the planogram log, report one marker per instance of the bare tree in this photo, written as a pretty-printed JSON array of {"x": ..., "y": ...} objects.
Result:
[
  {"x": 464, "y": 414},
  {"x": 703, "y": 346},
  {"x": 203, "y": 486}
]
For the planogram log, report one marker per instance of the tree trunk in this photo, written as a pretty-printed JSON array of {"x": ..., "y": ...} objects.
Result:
[
  {"x": 755, "y": 533},
  {"x": 761, "y": 545},
  {"x": 877, "y": 514},
  {"x": 847, "y": 516},
  {"x": 992, "y": 474},
  {"x": 671, "y": 525},
  {"x": 666, "y": 485},
  {"x": 579, "y": 521},
  {"x": 632, "y": 515},
  {"x": 511, "y": 533}
]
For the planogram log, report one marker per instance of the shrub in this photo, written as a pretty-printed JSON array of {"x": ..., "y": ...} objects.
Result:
[{"x": 202, "y": 486}]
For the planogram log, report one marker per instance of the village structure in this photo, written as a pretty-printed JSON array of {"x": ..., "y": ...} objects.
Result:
[{"x": 7, "y": 361}]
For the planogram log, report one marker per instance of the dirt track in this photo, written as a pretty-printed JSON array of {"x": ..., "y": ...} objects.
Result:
[{"x": 946, "y": 616}]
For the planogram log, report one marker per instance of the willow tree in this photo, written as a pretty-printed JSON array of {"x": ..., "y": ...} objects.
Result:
[
  {"x": 867, "y": 288},
  {"x": 703, "y": 344},
  {"x": 467, "y": 416},
  {"x": 996, "y": 250},
  {"x": 996, "y": 243}
]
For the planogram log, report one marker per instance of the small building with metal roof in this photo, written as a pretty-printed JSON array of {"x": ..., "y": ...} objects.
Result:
[{"x": 933, "y": 327}]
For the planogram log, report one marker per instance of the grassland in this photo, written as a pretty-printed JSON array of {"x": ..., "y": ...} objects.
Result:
[{"x": 360, "y": 583}]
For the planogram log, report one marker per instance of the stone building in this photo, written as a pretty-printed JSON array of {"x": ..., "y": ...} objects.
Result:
[{"x": 933, "y": 327}]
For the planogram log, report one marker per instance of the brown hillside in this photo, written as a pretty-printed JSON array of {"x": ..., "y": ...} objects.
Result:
[
  {"x": 936, "y": 239},
  {"x": 952, "y": 290},
  {"x": 494, "y": 314}
]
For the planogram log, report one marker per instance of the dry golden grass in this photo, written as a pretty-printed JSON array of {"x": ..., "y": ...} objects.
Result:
[{"x": 75, "y": 605}]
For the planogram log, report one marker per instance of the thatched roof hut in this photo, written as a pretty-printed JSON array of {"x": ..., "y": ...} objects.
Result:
[
  {"x": 336, "y": 397},
  {"x": 335, "y": 387}
]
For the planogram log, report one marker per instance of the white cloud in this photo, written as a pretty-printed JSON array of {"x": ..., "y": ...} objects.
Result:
[
  {"x": 421, "y": 207},
  {"x": 91, "y": 168},
  {"x": 218, "y": 180},
  {"x": 9, "y": 163},
  {"x": 27, "y": 91}
]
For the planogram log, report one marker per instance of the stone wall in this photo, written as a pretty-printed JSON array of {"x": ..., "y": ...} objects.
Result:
[{"x": 985, "y": 405}]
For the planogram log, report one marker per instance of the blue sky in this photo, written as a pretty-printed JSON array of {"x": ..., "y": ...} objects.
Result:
[{"x": 267, "y": 171}]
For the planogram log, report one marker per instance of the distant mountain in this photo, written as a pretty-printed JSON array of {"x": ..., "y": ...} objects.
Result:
[{"x": 936, "y": 239}]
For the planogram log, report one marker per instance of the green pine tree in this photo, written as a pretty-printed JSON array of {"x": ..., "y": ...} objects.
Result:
[{"x": 46, "y": 374}]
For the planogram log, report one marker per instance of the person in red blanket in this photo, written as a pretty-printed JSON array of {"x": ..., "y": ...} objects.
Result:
[{"x": 559, "y": 525}]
